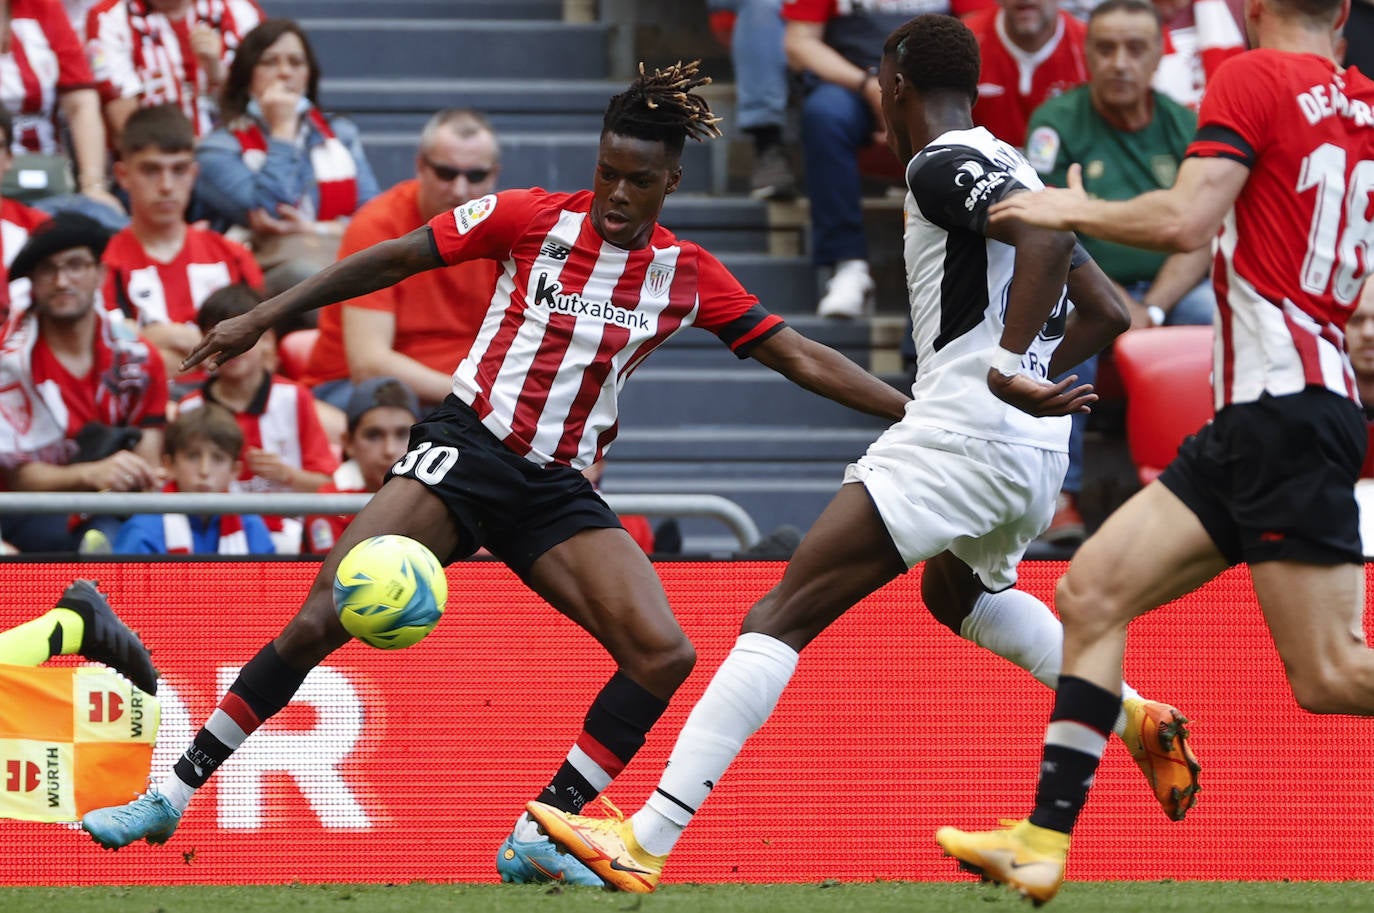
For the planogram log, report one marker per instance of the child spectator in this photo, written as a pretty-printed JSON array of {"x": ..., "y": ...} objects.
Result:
[
  {"x": 201, "y": 456},
  {"x": 380, "y": 413},
  {"x": 159, "y": 270},
  {"x": 285, "y": 447}
]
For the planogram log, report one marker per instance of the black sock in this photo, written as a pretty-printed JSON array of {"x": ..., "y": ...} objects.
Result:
[
  {"x": 263, "y": 687},
  {"x": 615, "y": 727},
  {"x": 1073, "y": 751}
]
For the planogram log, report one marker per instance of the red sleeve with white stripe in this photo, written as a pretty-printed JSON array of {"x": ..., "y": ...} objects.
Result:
[
  {"x": 486, "y": 227},
  {"x": 729, "y": 311}
]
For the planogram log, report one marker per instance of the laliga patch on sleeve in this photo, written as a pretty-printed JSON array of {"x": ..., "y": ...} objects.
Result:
[
  {"x": 474, "y": 211},
  {"x": 1042, "y": 149}
]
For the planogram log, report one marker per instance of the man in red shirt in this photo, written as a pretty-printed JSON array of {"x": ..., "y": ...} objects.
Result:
[
  {"x": 82, "y": 399},
  {"x": 1279, "y": 176},
  {"x": 158, "y": 269},
  {"x": 376, "y": 335},
  {"x": 1031, "y": 51},
  {"x": 590, "y": 285}
]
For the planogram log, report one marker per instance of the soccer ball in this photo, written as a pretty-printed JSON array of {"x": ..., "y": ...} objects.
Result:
[{"x": 390, "y": 591}]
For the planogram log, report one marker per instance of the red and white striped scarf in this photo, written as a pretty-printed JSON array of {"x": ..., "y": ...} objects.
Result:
[
  {"x": 336, "y": 174},
  {"x": 177, "y": 536}
]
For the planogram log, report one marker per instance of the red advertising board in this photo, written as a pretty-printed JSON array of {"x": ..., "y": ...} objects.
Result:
[{"x": 414, "y": 764}]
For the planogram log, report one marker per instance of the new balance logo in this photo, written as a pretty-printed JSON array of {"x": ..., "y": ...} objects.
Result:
[{"x": 554, "y": 251}]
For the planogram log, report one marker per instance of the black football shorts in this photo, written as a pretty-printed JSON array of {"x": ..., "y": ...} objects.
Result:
[
  {"x": 1274, "y": 479},
  {"x": 516, "y": 509}
]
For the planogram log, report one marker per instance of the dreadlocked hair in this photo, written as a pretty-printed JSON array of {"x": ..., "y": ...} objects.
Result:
[{"x": 661, "y": 107}]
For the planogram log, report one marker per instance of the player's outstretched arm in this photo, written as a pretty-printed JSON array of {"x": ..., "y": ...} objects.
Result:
[
  {"x": 821, "y": 369},
  {"x": 377, "y": 267},
  {"x": 1182, "y": 218},
  {"x": 1099, "y": 316}
]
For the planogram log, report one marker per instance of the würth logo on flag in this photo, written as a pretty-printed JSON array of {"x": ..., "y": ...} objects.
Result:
[
  {"x": 657, "y": 279},
  {"x": 105, "y": 706},
  {"x": 21, "y": 776}
]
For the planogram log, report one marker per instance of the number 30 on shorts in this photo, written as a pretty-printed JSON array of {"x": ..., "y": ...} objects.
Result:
[{"x": 427, "y": 463}]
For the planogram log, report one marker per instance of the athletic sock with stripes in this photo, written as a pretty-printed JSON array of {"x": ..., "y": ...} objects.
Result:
[
  {"x": 615, "y": 728},
  {"x": 263, "y": 687},
  {"x": 739, "y": 699},
  {"x": 1074, "y": 741}
]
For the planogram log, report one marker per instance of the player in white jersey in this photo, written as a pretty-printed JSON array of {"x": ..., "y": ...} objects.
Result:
[
  {"x": 1279, "y": 176},
  {"x": 963, "y": 482},
  {"x": 590, "y": 284}
]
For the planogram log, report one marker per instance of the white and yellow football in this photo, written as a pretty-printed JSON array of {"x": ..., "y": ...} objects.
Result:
[{"x": 390, "y": 591}]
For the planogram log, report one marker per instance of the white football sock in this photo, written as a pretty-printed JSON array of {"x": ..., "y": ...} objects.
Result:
[
  {"x": 176, "y": 791},
  {"x": 740, "y": 697},
  {"x": 1021, "y": 629}
]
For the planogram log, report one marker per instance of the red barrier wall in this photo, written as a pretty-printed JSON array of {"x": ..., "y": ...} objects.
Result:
[{"x": 413, "y": 765}]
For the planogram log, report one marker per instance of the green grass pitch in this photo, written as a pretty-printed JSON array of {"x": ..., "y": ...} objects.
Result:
[{"x": 822, "y": 897}]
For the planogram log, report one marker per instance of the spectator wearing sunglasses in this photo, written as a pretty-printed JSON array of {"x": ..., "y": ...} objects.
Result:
[{"x": 421, "y": 343}]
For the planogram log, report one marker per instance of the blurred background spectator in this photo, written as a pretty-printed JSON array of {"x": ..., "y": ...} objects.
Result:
[
  {"x": 158, "y": 269},
  {"x": 153, "y": 52},
  {"x": 84, "y": 400},
  {"x": 1031, "y": 51},
  {"x": 43, "y": 71},
  {"x": 384, "y": 334},
  {"x": 380, "y": 413},
  {"x": 284, "y": 445},
  {"x": 278, "y": 166},
  {"x": 752, "y": 30},
  {"x": 1128, "y": 139},
  {"x": 201, "y": 455},
  {"x": 16, "y": 223},
  {"x": 836, "y": 47}
]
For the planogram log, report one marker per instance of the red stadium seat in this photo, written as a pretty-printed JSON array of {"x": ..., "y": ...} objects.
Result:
[
  {"x": 293, "y": 352},
  {"x": 1167, "y": 375}
]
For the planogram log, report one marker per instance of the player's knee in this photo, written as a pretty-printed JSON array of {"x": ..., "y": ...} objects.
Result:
[
  {"x": 1083, "y": 607},
  {"x": 312, "y": 634},
  {"x": 946, "y": 605},
  {"x": 1322, "y": 687},
  {"x": 663, "y": 668}
]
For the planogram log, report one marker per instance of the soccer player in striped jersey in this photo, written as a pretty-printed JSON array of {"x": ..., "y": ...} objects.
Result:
[
  {"x": 1279, "y": 177},
  {"x": 590, "y": 285},
  {"x": 964, "y": 482}
]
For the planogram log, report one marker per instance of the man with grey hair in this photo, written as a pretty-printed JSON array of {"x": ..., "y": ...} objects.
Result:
[{"x": 459, "y": 159}]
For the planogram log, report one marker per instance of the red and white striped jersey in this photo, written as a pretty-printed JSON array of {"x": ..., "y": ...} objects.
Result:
[
  {"x": 135, "y": 51},
  {"x": 1294, "y": 250},
  {"x": 572, "y": 316},
  {"x": 44, "y": 60},
  {"x": 149, "y": 291}
]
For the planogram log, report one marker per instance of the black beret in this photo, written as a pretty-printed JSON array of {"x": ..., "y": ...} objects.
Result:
[{"x": 64, "y": 231}]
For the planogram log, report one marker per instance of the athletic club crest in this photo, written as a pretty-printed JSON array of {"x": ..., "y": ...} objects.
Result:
[{"x": 657, "y": 279}]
